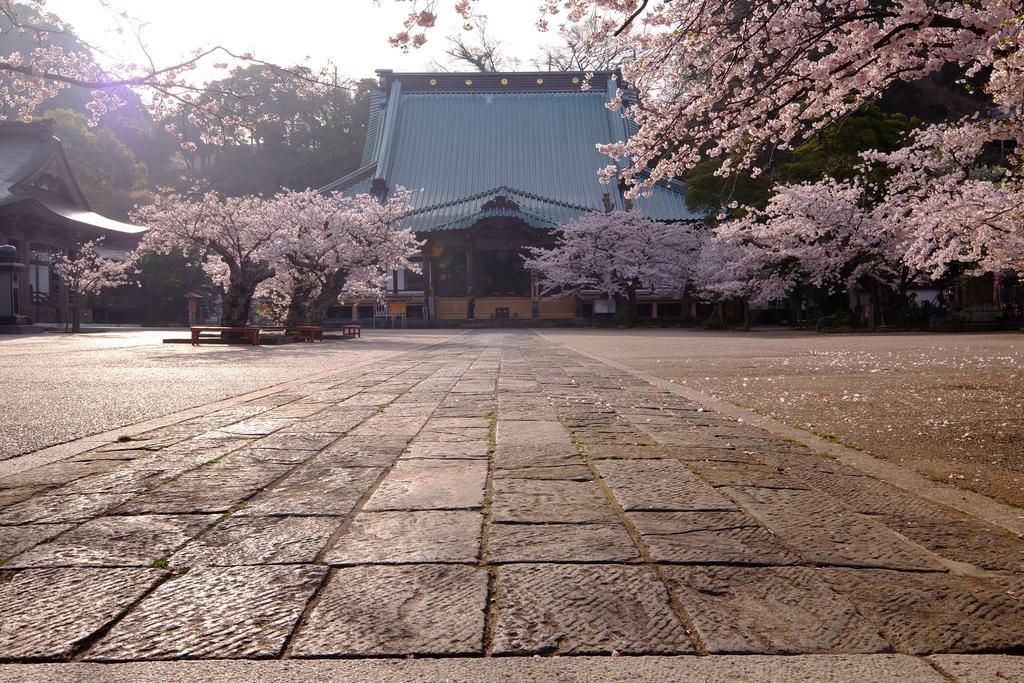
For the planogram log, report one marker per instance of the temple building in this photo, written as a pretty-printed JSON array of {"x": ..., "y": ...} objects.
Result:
[
  {"x": 495, "y": 162},
  {"x": 42, "y": 211}
]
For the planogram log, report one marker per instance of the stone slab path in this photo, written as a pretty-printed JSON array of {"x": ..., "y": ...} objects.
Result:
[{"x": 495, "y": 494}]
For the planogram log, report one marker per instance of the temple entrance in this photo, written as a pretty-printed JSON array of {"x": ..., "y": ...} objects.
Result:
[{"x": 479, "y": 274}]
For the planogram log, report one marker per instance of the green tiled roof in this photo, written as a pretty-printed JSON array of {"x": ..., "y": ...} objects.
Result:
[{"x": 457, "y": 146}]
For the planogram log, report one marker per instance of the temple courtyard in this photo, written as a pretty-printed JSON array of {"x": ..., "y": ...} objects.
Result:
[{"x": 512, "y": 505}]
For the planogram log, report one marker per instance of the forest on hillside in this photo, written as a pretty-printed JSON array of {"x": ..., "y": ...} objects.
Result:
[{"x": 298, "y": 142}]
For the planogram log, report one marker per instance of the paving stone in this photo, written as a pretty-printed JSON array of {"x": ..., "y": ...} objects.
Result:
[
  {"x": 282, "y": 456},
  {"x": 982, "y": 668},
  {"x": 453, "y": 435},
  {"x": 531, "y": 433},
  {"x": 560, "y": 543},
  {"x": 303, "y": 441},
  {"x": 866, "y": 495},
  {"x": 771, "y": 610},
  {"x": 205, "y": 447},
  {"x": 304, "y": 409},
  {"x": 9, "y": 497},
  {"x": 431, "y": 485},
  {"x": 334, "y": 395},
  {"x": 934, "y": 613},
  {"x": 391, "y": 425},
  {"x": 373, "y": 400},
  {"x": 743, "y": 474},
  {"x": 187, "y": 498},
  {"x": 115, "y": 457},
  {"x": 533, "y": 501},
  {"x": 233, "y": 470},
  {"x": 214, "y": 612},
  {"x": 51, "y": 509},
  {"x": 54, "y": 474},
  {"x": 405, "y": 537},
  {"x": 519, "y": 457},
  {"x": 335, "y": 421},
  {"x": 16, "y": 539},
  {"x": 49, "y": 613},
  {"x": 585, "y": 609},
  {"x": 362, "y": 452},
  {"x": 127, "y": 479},
  {"x": 116, "y": 542},
  {"x": 258, "y": 426},
  {"x": 444, "y": 450},
  {"x": 315, "y": 489},
  {"x": 659, "y": 485},
  {"x": 259, "y": 540},
  {"x": 140, "y": 442},
  {"x": 693, "y": 437},
  {"x": 626, "y": 451},
  {"x": 724, "y": 455},
  {"x": 709, "y": 537},
  {"x": 1011, "y": 584},
  {"x": 959, "y": 538},
  {"x": 397, "y": 610},
  {"x": 568, "y": 472},
  {"x": 823, "y": 532}
]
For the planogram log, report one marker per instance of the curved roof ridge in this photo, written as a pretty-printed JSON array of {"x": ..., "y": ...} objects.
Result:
[{"x": 496, "y": 191}]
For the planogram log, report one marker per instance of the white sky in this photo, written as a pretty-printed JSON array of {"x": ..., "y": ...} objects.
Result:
[{"x": 351, "y": 33}]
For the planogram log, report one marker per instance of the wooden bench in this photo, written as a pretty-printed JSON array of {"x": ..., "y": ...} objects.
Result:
[
  {"x": 351, "y": 331},
  {"x": 252, "y": 333},
  {"x": 309, "y": 333}
]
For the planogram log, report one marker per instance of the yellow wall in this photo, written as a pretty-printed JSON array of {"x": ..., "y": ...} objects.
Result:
[
  {"x": 451, "y": 308},
  {"x": 518, "y": 307},
  {"x": 563, "y": 307}
]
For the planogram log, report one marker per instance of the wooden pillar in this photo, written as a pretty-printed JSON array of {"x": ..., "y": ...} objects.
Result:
[
  {"x": 470, "y": 284},
  {"x": 428, "y": 267}
]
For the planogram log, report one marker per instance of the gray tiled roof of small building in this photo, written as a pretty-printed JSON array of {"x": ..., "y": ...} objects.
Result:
[{"x": 24, "y": 149}]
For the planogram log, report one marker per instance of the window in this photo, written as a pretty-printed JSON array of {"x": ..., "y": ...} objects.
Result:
[
  {"x": 501, "y": 273},
  {"x": 451, "y": 272}
]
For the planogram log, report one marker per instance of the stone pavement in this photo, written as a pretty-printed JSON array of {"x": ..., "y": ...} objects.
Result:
[{"x": 495, "y": 494}]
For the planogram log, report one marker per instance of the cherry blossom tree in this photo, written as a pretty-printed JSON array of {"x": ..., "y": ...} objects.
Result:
[
  {"x": 336, "y": 244},
  {"x": 298, "y": 249},
  {"x": 810, "y": 233},
  {"x": 617, "y": 254},
  {"x": 240, "y": 234},
  {"x": 84, "y": 273},
  {"x": 30, "y": 77}
]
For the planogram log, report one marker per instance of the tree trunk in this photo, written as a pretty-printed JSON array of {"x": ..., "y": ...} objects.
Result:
[
  {"x": 238, "y": 298},
  {"x": 76, "y": 315},
  {"x": 299, "y": 303},
  {"x": 328, "y": 297},
  {"x": 625, "y": 307}
]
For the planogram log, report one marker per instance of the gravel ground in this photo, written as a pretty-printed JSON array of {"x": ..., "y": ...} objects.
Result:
[
  {"x": 58, "y": 387},
  {"x": 948, "y": 406}
]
